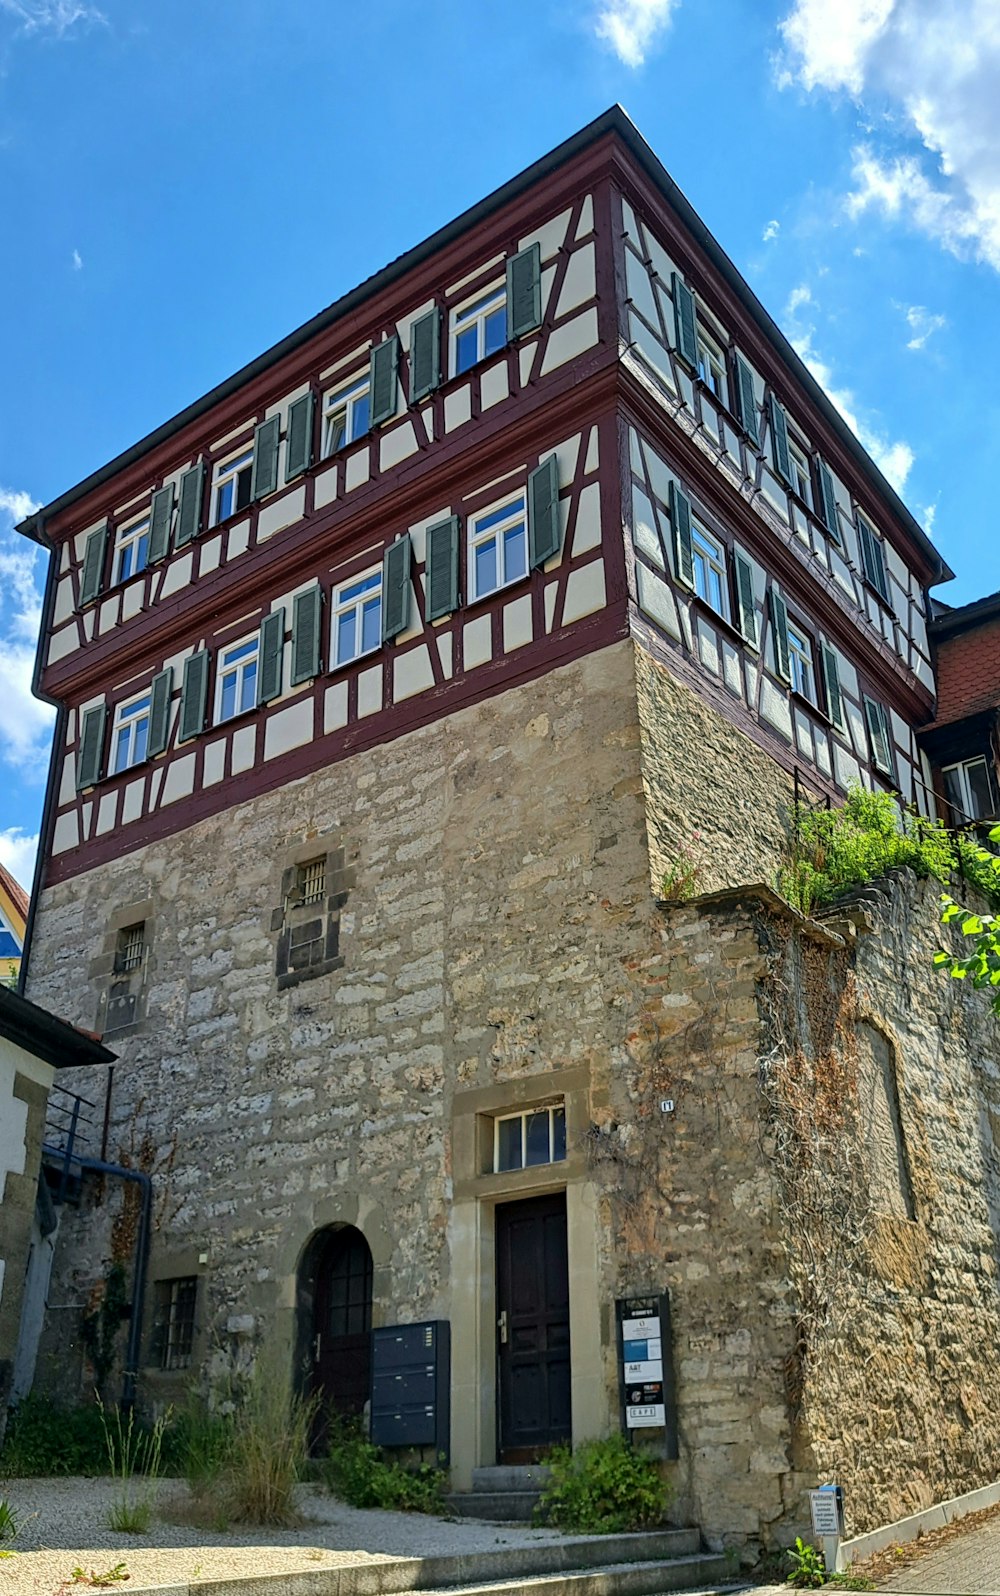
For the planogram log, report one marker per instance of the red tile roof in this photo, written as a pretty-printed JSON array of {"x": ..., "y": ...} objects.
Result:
[{"x": 14, "y": 891}]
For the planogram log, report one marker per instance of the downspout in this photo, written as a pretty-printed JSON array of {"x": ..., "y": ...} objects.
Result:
[
  {"x": 139, "y": 1274},
  {"x": 38, "y": 534}
]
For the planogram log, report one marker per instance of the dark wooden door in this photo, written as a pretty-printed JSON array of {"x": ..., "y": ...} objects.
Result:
[
  {"x": 533, "y": 1396},
  {"x": 342, "y": 1322}
]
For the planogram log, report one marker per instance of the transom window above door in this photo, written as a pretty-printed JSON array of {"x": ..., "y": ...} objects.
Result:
[
  {"x": 346, "y": 416},
  {"x": 478, "y": 330},
  {"x": 357, "y": 618},
  {"x": 498, "y": 547},
  {"x": 231, "y": 486},
  {"x": 236, "y": 691},
  {"x": 524, "y": 1140},
  {"x": 131, "y": 549}
]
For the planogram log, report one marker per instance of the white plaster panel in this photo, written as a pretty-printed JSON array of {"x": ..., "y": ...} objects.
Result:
[
  {"x": 155, "y": 783},
  {"x": 427, "y": 417},
  {"x": 708, "y": 646},
  {"x": 661, "y": 262},
  {"x": 774, "y": 492},
  {"x": 335, "y": 707},
  {"x": 66, "y": 833},
  {"x": 80, "y": 541},
  {"x": 177, "y": 574},
  {"x": 845, "y": 769},
  {"x": 370, "y": 691},
  {"x": 547, "y": 285},
  {"x": 570, "y": 340},
  {"x": 733, "y": 444},
  {"x": 585, "y": 592},
  {"x": 444, "y": 641},
  {"x": 904, "y": 772},
  {"x": 66, "y": 557},
  {"x": 900, "y": 731},
  {"x": 731, "y": 672},
  {"x": 517, "y": 628},
  {"x": 525, "y": 361},
  {"x": 774, "y": 707},
  {"x": 493, "y": 385},
  {"x": 62, "y": 642},
  {"x": 684, "y": 616},
  {"x": 211, "y": 554},
  {"x": 822, "y": 742},
  {"x": 179, "y": 781},
  {"x": 13, "y": 1110},
  {"x": 588, "y": 519},
  {"x": 132, "y": 801},
  {"x": 107, "y": 811},
  {"x": 404, "y": 324},
  {"x": 281, "y": 405},
  {"x": 458, "y": 407},
  {"x": 631, "y": 225},
  {"x": 925, "y": 674},
  {"x": 580, "y": 282},
  {"x": 640, "y": 289},
  {"x": 586, "y": 223},
  {"x": 325, "y": 486},
  {"x": 842, "y": 575},
  {"x": 132, "y": 600},
  {"x": 357, "y": 469},
  {"x": 856, "y": 729},
  {"x": 567, "y": 454},
  {"x": 67, "y": 781},
  {"x": 107, "y": 613},
  {"x": 804, "y": 736},
  {"x": 899, "y": 598},
  {"x": 281, "y": 512},
  {"x": 242, "y": 431},
  {"x": 660, "y": 475},
  {"x": 847, "y": 675},
  {"x": 397, "y": 445},
  {"x": 657, "y": 600},
  {"x": 416, "y": 627},
  {"x": 355, "y": 358},
  {"x": 237, "y": 540},
  {"x": 477, "y": 642},
  {"x": 411, "y": 673},
  {"x": 686, "y": 388},
  {"x": 418, "y": 532},
  {"x": 244, "y": 748},
  {"x": 63, "y": 606},
  {"x": 918, "y": 628},
  {"x": 896, "y": 567},
  {"x": 752, "y": 676},
  {"x": 288, "y": 728},
  {"x": 471, "y": 277},
  {"x": 87, "y": 621},
  {"x": 593, "y": 452},
  {"x": 214, "y": 766},
  {"x": 710, "y": 420},
  {"x": 551, "y": 236}
]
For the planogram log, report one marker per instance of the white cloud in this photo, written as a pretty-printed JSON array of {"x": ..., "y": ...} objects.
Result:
[
  {"x": 25, "y": 723},
  {"x": 923, "y": 324},
  {"x": 17, "y": 854},
  {"x": 936, "y": 68},
  {"x": 771, "y": 231},
  {"x": 51, "y": 16},
  {"x": 631, "y": 26},
  {"x": 77, "y": 261},
  {"x": 799, "y": 296}
]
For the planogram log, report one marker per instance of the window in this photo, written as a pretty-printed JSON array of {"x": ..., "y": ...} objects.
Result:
[
  {"x": 131, "y": 549},
  {"x": 498, "y": 548},
  {"x": 236, "y": 688},
  {"x": 312, "y": 881},
  {"x": 873, "y": 559},
  {"x": 346, "y": 416},
  {"x": 231, "y": 486},
  {"x": 357, "y": 618},
  {"x": 969, "y": 791},
  {"x": 478, "y": 330},
  {"x": 801, "y": 475},
  {"x": 173, "y": 1322},
  {"x": 130, "y": 948},
  {"x": 521, "y": 1141},
  {"x": 800, "y": 661},
  {"x": 712, "y": 368},
  {"x": 710, "y": 571},
  {"x": 130, "y": 734}
]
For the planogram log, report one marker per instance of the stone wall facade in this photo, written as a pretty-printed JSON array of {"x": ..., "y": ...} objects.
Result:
[{"x": 24, "y": 1091}]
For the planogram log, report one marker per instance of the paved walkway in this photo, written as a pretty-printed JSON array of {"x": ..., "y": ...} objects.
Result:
[{"x": 968, "y": 1565}]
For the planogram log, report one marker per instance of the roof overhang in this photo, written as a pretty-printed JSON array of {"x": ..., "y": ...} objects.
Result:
[{"x": 45, "y": 1036}]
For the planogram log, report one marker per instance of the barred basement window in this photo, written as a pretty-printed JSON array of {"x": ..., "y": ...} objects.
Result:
[
  {"x": 312, "y": 881},
  {"x": 522, "y": 1141},
  {"x": 173, "y": 1324},
  {"x": 131, "y": 943}
]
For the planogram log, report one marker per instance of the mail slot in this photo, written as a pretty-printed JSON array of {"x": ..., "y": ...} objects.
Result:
[{"x": 411, "y": 1386}]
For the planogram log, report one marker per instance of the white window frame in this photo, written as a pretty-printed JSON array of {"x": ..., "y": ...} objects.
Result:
[
  {"x": 131, "y": 540},
  {"x": 801, "y": 661},
  {"x": 357, "y": 594},
  {"x": 475, "y": 313},
  {"x": 524, "y": 1115},
  {"x": 709, "y": 559},
  {"x": 347, "y": 399},
  {"x": 712, "y": 367},
  {"x": 130, "y": 717},
  {"x": 238, "y": 667},
  {"x": 802, "y": 482},
  {"x": 479, "y": 535},
  {"x": 225, "y": 471},
  {"x": 961, "y": 767}
]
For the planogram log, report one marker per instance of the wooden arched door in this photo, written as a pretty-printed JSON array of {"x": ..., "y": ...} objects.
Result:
[{"x": 342, "y": 1322}]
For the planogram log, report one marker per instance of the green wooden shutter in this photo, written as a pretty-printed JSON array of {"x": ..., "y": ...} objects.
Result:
[
  {"x": 299, "y": 444},
  {"x": 91, "y": 751},
  {"x": 385, "y": 360},
  {"x": 396, "y": 588},
  {"x": 524, "y": 291},
  {"x": 878, "y": 732},
  {"x": 748, "y": 402},
  {"x": 266, "y": 436},
  {"x": 744, "y": 597},
  {"x": 194, "y": 692},
  {"x": 831, "y": 681},
  {"x": 425, "y": 355},
  {"x": 544, "y": 532},
  {"x": 441, "y": 574},
  {"x": 272, "y": 656},
  {"x": 160, "y": 516},
  {"x": 779, "y": 627},
  {"x": 159, "y": 712},
  {"x": 189, "y": 506},
  {"x": 872, "y": 559},
  {"x": 306, "y": 614},
  {"x": 680, "y": 533},
  {"x": 92, "y": 579},
  {"x": 685, "y": 321},
  {"x": 828, "y": 502},
  {"x": 779, "y": 440}
]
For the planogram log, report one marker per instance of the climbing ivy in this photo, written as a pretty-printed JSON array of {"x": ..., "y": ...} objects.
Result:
[{"x": 981, "y": 867}]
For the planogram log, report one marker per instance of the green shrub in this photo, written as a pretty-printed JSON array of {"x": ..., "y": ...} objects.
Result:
[
  {"x": 267, "y": 1450},
  {"x": 8, "y": 1521},
  {"x": 44, "y": 1438},
  {"x": 603, "y": 1488},
  {"x": 134, "y": 1453},
  {"x": 198, "y": 1444},
  {"x": 361, "y": 1476},
  {"x": 808, "y": 1565},
  {"x": 834, "y": 850}
]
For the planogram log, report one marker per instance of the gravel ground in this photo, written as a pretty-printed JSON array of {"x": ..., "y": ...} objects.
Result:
[{"x": 62, "y": 1526}]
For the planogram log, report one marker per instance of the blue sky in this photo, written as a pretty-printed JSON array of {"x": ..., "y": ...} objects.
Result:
[{"x": 182, "y": 183}]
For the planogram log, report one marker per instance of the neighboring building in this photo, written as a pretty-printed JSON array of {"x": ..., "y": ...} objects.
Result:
[
  {"x": 394, "y": 675},
  {"x": 13, "y": 918},
  {"x": 33, "y": 1046},
  {"x": 963, "y": 741}
]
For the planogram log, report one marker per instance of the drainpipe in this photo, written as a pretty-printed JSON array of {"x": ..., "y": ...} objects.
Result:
[{"x": 139, "y": 1274}]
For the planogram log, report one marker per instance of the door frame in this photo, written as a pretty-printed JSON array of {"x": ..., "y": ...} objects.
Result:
[{"x": 513, "y": 1204}]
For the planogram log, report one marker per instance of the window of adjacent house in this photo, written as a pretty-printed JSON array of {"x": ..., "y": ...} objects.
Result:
[
  {"x": 130, "y": 734},
  {"x": 346, "y": 416},
  {"x": 173, "y": 1331},
  {"x": 131, "y": 943},
  {"x": 712, "y": 368},
  {"x": 231, "y": 486},
  {"x": 131, "y": 549},
  {"x": 312, "y": 881},
  {"x": 236, "y": 684},
  {"x": 710, "y": 571},
  {"x": 478, "y": 330},
  {"x": 357, "y": 618},
  {"x": 521, "y": 1141},
  {"x": 969, "y": 791},
  {"x": 498, "y": 547},
  {"x": 801, "y": 474},
  {"x": 800, "y": 662}
]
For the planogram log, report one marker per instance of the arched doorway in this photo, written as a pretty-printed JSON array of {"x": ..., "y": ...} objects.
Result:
[{"x": 335, "y": 1314}]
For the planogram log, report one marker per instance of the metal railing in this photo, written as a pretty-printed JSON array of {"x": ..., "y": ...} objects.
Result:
[{"x": 70, "y": 1134}]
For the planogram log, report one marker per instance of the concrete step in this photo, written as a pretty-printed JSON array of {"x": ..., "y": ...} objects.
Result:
[
  {"x": 498, "y": 1507},
  {"x": 511, "y": 1477},
  {"x": 555, "y": 1557},
  {"x": 707, "y": 1571}
]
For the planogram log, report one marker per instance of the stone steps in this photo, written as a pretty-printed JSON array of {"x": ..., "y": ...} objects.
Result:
[{"x": 707, "y": 1571}]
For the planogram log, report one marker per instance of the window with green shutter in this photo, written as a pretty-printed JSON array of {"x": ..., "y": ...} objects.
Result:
[
  {"x": 266, "y": 437},
  {"x": 160, "y": 517},
  {"x": 831, "y": 683},
  {"x": 92, "y": 579},
  {"x": 425, "y": 355},
  {"x": 685, "y": 321},
  {"x": 91, "y": 751},
  {"x": 680, "y": 535},
  {"x": 441, "y": 574},
  {"x": 873, "y": 559},
  {"x": 194, "y": 691},
  {"x": 524, "y": 291},
  {"x": 828, "y": 502},
  {"x": 306, "y": 613},
  {"x": 779, "y": 440},
  {"x": 747, "y": 401},
  {"x": 385, "y": 362},
  {"x": 272, "y": 656},
  {"x": 161, "y": 693},
  {"x": 746, "y": 607},
  {"x": 880, "y": 737},
  {"x": 299, "y": 443},
  {"x": 544, "y": 533},
  {"x": 779, "y": 630},
  {"x": 396, "y": 588},
  {"x": 189, "y": 509}
]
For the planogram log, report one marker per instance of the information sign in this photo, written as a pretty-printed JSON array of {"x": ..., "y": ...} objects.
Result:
[
  {"x": 645, "y": 1375},
  {"x": 827, "y": 1508}
]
